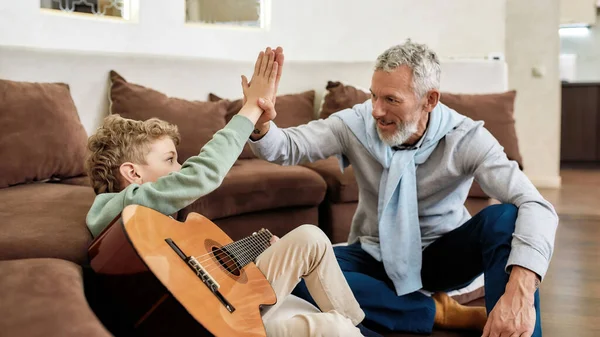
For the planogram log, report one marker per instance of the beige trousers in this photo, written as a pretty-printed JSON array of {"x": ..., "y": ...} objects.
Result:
[{"x": 306, "y": 252}]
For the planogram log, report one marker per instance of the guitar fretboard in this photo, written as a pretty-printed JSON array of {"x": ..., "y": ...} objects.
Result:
[{"x": 249, "y": 248}]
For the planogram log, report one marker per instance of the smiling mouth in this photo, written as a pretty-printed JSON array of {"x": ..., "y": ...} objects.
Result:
[{"x": 382, "y": 123}]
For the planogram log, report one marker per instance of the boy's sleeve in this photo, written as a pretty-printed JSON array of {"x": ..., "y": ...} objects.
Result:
[{"x": 199, "y": 175}]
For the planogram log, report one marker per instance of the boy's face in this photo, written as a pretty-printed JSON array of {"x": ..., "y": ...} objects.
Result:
[{"x": 160, "y": 161}]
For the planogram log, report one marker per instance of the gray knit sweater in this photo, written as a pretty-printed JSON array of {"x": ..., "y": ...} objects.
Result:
[{"x": 443, "y": 183}]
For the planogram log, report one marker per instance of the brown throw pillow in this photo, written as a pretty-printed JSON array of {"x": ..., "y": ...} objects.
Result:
[
  {"x": 41, "y": 135},
  {"x": 497, "y": 111},
  {"x": 292, "y": 110},
  {"x": 197, "y": 121},
  {"x": 340, "y": 97}
]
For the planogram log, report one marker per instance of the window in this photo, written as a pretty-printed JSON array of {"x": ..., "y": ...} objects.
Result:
[
  {"x": 247, "y": 13},
  {"x": 108, "y": 8}
]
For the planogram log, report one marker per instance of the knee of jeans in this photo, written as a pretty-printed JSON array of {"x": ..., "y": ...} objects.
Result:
[{"x": 499, "y": 221}]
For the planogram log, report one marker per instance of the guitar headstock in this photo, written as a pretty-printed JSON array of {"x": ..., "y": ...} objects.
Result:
[{"x": 263, "y": 232}]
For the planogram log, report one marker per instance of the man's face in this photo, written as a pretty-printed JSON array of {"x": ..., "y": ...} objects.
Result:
[
  {"x": 395, "y": 105},
  {"x": 160, "y": 161}
]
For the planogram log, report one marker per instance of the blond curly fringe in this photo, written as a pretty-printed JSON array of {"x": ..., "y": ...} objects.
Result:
[{"x": 121, "y": 140}]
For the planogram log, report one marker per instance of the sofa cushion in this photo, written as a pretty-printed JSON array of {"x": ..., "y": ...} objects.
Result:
[
  {"x": 197, "y": 121},
  {"x": 341, "y": 186},
  {"x": 255, "y": 185},
  {"x": 45, "y": 297},
  {"x": 45, "y": 220},
  {"x": 41, "y": 136},
  {"x": 496, "y": 110},
  {"x": 292, "y": 110},
  {"x": 240, "y": 226},
  {"x": 77, "y": 181},
  {"x": 476, "y": 205},
  {"x": 339, "y": 97}
]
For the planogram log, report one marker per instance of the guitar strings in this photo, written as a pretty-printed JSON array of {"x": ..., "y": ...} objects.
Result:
[
  {"x": 225, "y": 247},
  {"x": 228, "y": 249},
  {"x": 238, "y": 252},
  {"x": 238, "y": 249},
  {"x": 251, "y": 245}
]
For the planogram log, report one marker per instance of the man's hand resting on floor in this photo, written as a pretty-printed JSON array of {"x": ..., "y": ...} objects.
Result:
[{"x": 514, "y": 315}]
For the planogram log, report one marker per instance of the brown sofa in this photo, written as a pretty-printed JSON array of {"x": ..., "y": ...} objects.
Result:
[{"x": 44, "y": 197}]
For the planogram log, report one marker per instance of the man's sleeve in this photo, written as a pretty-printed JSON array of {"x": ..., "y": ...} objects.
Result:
[
  {"x": 481, "y": 155},
  {"x": 316, "y": 140}
]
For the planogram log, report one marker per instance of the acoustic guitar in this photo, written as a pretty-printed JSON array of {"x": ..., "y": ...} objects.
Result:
[{"x": 161, "y": 277}]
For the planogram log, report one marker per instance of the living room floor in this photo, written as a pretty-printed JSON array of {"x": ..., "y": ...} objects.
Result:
[{"x": 570, "y": 293}]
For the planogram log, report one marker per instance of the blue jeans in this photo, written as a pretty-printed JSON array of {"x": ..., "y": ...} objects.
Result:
[{"x": 482, "y": 244}]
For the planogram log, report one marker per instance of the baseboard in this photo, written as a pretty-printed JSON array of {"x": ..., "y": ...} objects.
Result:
[{"x": 546, "y": 181}]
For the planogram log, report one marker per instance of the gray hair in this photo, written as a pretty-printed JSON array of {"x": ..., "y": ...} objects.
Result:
[{"x": 423, "y": 62}]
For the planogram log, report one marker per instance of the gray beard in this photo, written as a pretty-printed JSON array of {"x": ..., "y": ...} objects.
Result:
[{"x": 403, "y": 132}]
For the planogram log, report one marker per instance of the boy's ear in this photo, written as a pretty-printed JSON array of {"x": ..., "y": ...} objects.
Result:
[{"x": 130, "y": 174}]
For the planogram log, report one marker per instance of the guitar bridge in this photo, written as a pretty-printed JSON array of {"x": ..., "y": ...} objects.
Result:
[{"x": 202, "y": 274}]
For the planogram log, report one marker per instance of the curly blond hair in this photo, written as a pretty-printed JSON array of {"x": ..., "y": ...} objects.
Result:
[{"x": 121, "y": 140}]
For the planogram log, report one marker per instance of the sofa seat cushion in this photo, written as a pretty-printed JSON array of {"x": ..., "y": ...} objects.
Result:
[
  {"x": 45, "y": 220},
  {"x": 255, "y": 185},
  {"x": 341, "y": 186},
  {"x": 83, "y": 180},
  {"x": 45, "y": 297}
]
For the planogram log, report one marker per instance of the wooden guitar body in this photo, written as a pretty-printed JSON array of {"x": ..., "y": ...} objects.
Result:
[{"x": 163, "y": 277}]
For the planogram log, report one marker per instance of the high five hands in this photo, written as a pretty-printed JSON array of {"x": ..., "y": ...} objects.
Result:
[{"x": 270, "y": 60}]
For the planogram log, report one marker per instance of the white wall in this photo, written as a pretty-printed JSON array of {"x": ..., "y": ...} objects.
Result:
[
  {"x": 309, "y": 30},
  {"x": 577, "y": 11},
  {"x": 587, "y": 48},
  {"x": 532, "y": 42}
]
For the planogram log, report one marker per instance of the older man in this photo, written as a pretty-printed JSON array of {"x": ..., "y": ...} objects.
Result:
[{"x": 414, "y": 160}]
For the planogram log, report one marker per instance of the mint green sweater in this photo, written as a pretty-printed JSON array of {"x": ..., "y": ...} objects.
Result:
[{"x": 199, "y": 175}]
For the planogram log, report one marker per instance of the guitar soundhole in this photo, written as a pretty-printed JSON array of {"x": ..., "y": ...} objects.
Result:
[{"x": 226, "y": 260}]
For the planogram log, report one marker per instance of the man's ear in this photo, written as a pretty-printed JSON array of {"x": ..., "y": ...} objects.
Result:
[
  {"x": 431, "y": 100},
  {"x": 130, "y": 174}
]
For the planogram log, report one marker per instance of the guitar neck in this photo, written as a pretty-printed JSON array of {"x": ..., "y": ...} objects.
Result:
[{"x": 249, "y": 248}]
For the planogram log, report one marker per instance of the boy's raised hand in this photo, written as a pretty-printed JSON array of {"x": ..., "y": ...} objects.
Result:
[
  {"x": 278, "y": 59},
  {"x": 263, "y": 79}
]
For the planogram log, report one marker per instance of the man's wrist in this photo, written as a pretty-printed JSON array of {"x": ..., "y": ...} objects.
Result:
[
  {"x": 524, "y": 279},
  {"x": 260, "y": 131}
]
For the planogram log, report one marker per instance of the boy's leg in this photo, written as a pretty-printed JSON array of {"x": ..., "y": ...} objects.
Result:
[
  {"x": 306, "y": 252},
  {"x": 329, "y": 324}
]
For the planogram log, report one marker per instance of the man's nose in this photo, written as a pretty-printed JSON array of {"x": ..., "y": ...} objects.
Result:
[{"x": 378, "y": 112}]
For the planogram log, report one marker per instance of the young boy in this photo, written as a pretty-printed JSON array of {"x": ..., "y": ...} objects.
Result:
[{"x": 135, "y": 162}]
